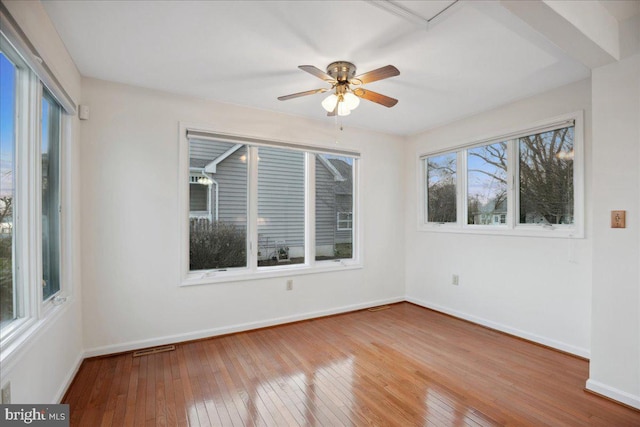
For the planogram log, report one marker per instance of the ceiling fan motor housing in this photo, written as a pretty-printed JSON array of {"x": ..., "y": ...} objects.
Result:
[{"x": 342, "y": 71}]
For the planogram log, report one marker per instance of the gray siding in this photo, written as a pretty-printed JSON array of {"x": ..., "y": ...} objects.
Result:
[
  {"x": 326, "y": 213},
  {"x": 281, "y": 197},
  {"x": 231, "y": 175},
  {"x": 202, "y": 152}
]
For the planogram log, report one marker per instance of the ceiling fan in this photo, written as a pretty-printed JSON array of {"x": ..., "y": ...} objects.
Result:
[{"x": 346, "y": 87}]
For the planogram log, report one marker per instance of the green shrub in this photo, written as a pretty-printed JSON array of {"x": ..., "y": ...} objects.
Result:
[
  {"x": 6, "y": 279},
  {"x": 215, "y": 245}
]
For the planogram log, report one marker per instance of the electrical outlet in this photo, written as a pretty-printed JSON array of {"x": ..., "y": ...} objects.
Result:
[
  {"x": 6, "y": 394},
  {"x": 290, "y": 284},
  {"x": 455, "y": 280}
]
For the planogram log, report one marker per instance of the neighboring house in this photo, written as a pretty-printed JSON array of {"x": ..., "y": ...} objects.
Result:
[
  {"x": 218, "y": 192},
  {"x": 6, "y": 227},
  {"x": 491, "y": 213}
]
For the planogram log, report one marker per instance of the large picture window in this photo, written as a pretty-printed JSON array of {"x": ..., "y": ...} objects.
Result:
[
  {"x": 528, "y": 182},
  {"x": 265, "y": 208}
]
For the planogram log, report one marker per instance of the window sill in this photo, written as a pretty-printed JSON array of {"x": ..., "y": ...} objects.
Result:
[
  {"x": 557, "y": 232},
  {"x": 214, "y": 277}
]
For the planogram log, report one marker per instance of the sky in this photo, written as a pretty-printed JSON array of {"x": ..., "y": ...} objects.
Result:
[{"x": 7, "y": 114}]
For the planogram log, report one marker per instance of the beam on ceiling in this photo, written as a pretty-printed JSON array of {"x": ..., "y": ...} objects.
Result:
[{"x": 585, "y": 30}]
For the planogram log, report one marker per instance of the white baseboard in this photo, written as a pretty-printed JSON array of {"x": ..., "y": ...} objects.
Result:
[
  {"x": 206, "y": 333},
  {"x": 68, "y": 379},
  {"x": 582, "y": 352},
  {"x": 613, "y": 393}
]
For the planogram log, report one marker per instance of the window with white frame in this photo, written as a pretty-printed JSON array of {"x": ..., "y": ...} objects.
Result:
[
  {"x": 30, "y": 195},
  {"x": 524, "y": 182},
  {"x": 345, "y": 220},
  {"x": 441, "y": 188},
  {"x": 334, "y": 206},
  {"x": 273, "y": 206},
  {"x": 50, "y": 187}
]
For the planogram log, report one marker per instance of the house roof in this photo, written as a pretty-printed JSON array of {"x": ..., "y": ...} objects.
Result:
[{"x": 344, "y": 186}]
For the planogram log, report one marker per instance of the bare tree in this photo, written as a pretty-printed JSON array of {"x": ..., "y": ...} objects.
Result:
[
  {"x": 545, "y": 175},
  {"x": 441, "y": 184}
]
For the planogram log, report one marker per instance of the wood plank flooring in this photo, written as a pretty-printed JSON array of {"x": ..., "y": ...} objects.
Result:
[{"x": 406, "y": 366}]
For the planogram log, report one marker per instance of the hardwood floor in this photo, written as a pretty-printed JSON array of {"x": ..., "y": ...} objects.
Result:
[{"x": 406, "y": 366}]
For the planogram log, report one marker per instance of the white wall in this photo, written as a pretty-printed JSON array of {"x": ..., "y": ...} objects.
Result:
[
  {"x": 41, "y": 369},
  {"x": 536, "y": 288},
  {"x": 130, "y": 228},
  {"x": 615, "y": 361}
]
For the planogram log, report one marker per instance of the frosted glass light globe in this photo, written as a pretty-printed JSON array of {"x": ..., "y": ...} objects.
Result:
[
  {"x": 351, "y": 101},
  {"x": 330, "y": 102},
  {"x": 343, "y": 110}
]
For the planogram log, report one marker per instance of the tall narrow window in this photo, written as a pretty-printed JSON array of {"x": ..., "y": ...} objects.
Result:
[
  {"x": 218, "y": 205},
  {"x": 50, "y": 133},
  {"x": 487, "y": 184},
  {"x": 441, "y": 188},
  {"x": 9, "y": 294},
  {"x": 334, "y": 207},
  {"x": 546, "y": 177},
  {"x": 281, "y": 207}
]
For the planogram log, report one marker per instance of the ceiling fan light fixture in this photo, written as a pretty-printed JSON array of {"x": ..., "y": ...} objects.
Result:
[
  {"x": 329, "y": 102},
  {"x": 341, "y": 75}
]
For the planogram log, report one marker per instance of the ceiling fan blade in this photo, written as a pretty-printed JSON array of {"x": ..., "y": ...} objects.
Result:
[
  {"x": 375, "y": 75},
  {"x": 317, "y": 72},
  {"x": 299, "y": 94},
  {"x": 375, "y": 97}
]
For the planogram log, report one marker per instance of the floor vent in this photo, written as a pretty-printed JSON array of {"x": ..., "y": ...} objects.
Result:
[
  {"x": 154, "y": 350},
  {"x": 379, "y": 308}
]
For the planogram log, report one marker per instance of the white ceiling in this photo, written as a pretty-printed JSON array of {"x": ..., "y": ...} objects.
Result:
[{"x": 473, "y": 57}]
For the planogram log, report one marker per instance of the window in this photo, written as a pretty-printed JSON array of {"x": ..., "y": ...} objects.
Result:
[
  {"x": 527, "y": 183},
  {"x": 334, "y": 206},
  {"x": 487, "y": 184},
  {"x": 218, "y": 205},
  {"x": 200, "y": 196},
  {"x": 281, "y": 206},
  {"x": 345, "y": 220},
  {"x": 441, "y": 188},
  {"x": 9, "y": 292},
  {"x": 273, "y": 208},
  {"x": 545, "y": 177},
  {"x": 50, "y": 184},
  {"x": 30, "y": 196}
]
